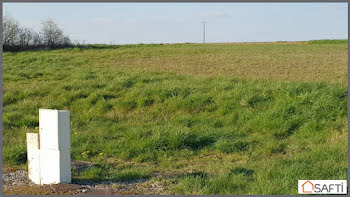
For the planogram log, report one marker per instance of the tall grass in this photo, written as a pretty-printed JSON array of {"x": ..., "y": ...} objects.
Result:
[{"x": 189, "y": 133}]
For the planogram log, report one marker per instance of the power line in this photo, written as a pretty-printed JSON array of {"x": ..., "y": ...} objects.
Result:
[{"x": 204, "y": 31}]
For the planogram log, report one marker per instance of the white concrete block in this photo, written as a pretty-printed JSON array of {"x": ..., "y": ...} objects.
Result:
[
  {"x": 55, "y": 166},
  {"x": 33, "y": 141},
  {"x": 54, "y": 129},
  {"x": 33, "y": 155},
  {"x": 49, "y": 160}
]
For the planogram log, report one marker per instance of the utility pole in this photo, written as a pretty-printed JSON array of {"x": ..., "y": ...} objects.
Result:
[{"x": 204, "y": 31}]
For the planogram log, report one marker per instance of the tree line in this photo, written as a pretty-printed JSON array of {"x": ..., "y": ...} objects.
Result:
[{"x": 17, "y": 38}]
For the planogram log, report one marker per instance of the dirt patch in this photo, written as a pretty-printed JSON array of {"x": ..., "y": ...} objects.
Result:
[
  {"x": 16, "y": 182},
  {"x": 82, "y": 165},
  {"x": 64, "y": 189}
]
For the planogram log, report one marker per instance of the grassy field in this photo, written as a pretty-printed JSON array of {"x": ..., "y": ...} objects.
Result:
[{"x": 247, "y": 118}]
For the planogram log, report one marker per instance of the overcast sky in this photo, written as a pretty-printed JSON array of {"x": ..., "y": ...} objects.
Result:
[{"x": 124, "y": 23}]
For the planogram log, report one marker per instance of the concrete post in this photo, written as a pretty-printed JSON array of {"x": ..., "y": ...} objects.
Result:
[
  {"x": 33, "y": 154},
  {"x": 54, "y": 148}
]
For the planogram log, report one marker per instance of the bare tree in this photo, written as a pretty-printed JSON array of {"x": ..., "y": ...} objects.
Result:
[
  {"x": 37, "y": 39},
  {"x": 10, "y": 31},
  {"x": 52, "y": 34},
  {"x": 25, "y": 37},
  {"x": 65, "y": 41},
  {"x": 18, "y": 38}
]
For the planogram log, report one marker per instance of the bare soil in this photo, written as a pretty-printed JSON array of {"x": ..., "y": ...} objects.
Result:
[{"x": 16, "y": 182}]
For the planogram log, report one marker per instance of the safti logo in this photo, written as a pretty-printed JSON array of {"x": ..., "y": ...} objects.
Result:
[
  {"x": 308, "y": 187},
  {"x": 322, "y": 187}
]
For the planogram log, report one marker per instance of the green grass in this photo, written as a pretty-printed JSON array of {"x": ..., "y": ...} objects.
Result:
[{"x": 158, "y": 115}]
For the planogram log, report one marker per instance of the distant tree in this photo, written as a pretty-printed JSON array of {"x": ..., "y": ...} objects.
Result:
[
  {"x": 37, "y": 39},
  {"x": 65, "y": 41},
  {"x": 10, "y": 31},
  {"x": 52, "y": 34},
  {"x": 25, "y": 37},
  {"x": 18, "y": 38}
]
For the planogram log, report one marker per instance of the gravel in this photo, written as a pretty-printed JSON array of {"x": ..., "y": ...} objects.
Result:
[
  {"x": 19, "y": 177},
  {"x": 16, "y": 180}
]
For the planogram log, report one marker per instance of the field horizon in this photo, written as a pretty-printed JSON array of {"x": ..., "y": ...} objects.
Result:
[
  {"x": 329, "y": 41},
  {"x": 213, "y": 118}
]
